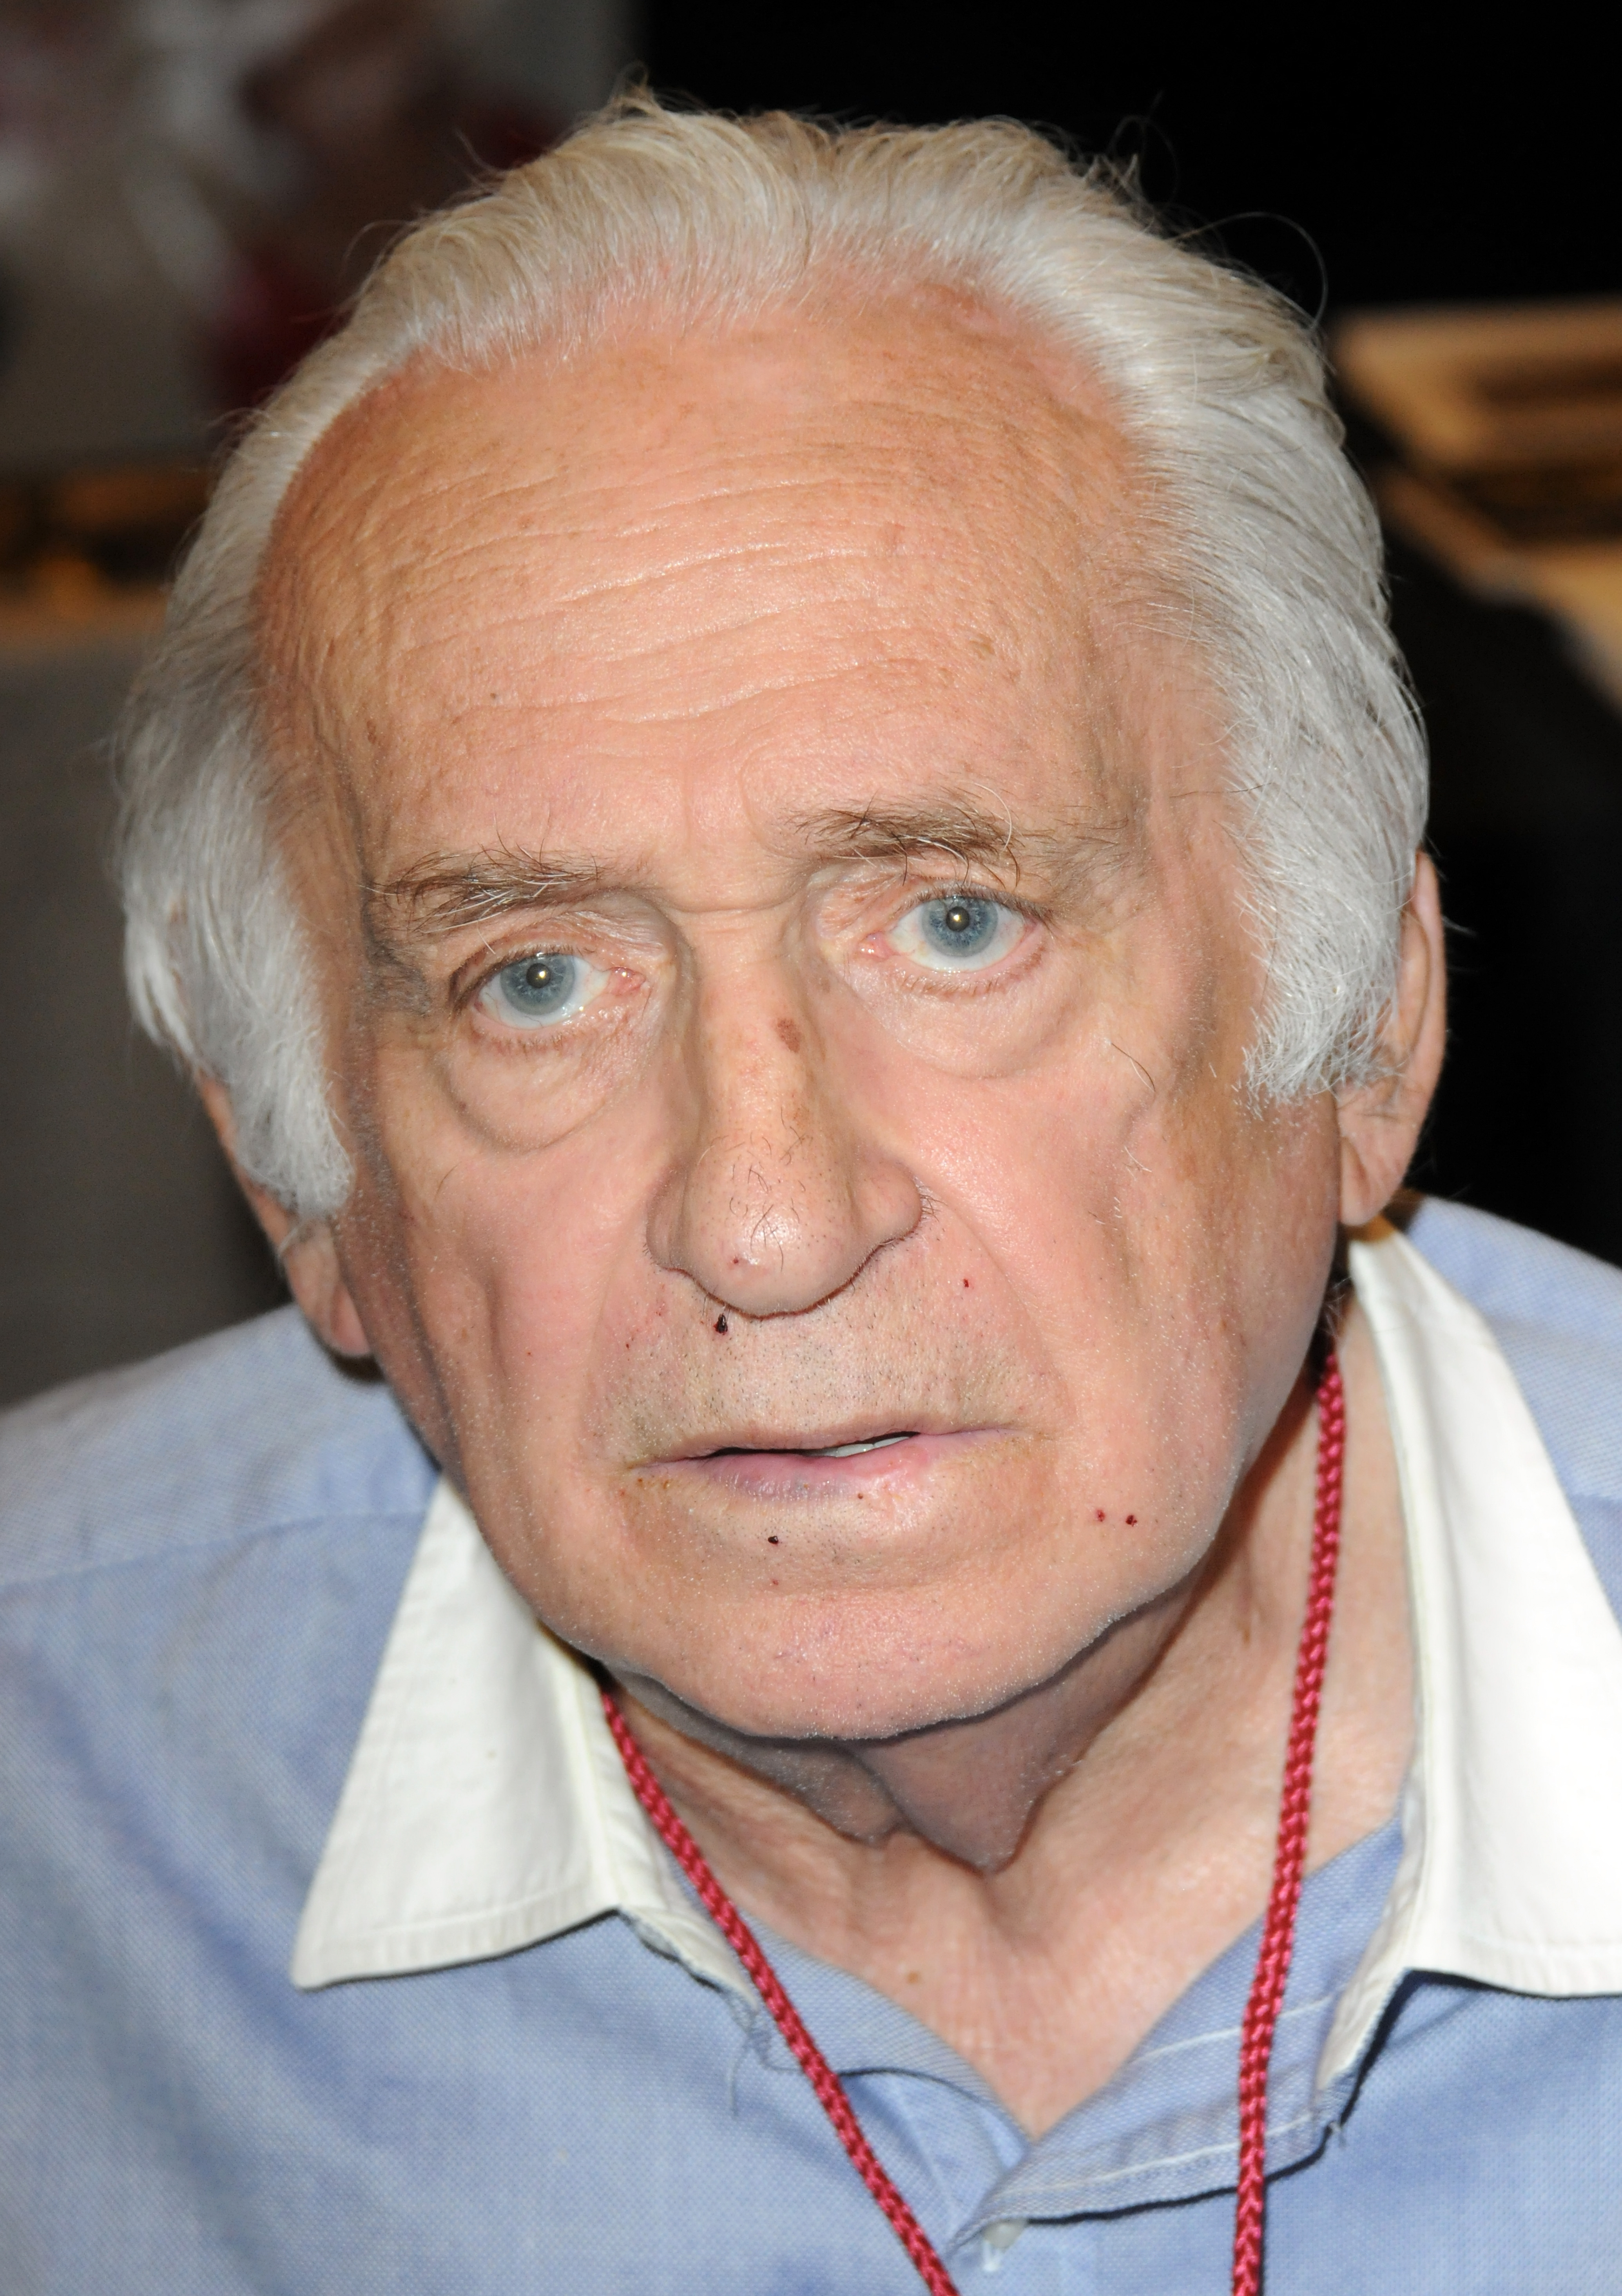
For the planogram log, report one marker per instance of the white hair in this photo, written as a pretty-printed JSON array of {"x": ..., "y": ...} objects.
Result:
[{"x": 1269, "y": 545}]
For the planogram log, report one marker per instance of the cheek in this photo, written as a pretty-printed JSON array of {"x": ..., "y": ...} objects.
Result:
[
  {"x": 1165, "y": 1249},
  {"x": 1232, "y": 1228},
  {"x": 484, "y": 1280}
]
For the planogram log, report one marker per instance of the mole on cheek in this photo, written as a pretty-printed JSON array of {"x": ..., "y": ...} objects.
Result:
[{"x": 789, "y": 1032}]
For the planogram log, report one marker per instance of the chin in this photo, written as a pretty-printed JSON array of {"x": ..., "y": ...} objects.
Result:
[{"x": 882, "y": 1673}]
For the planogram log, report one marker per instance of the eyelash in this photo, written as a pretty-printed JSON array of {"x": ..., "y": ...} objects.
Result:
[{"x": 963, "y": 890}]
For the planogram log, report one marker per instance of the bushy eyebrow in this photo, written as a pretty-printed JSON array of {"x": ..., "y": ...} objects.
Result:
[
  {"x": 961, "y": 832},
  {"x": 975, "y": 838},
  {"x": 448, "y": 893}
]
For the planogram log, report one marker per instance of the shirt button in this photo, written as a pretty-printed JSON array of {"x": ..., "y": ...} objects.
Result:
[{"x": 997, "y": 2240}]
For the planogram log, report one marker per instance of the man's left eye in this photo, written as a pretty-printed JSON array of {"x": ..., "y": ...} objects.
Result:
[
  {"x": 539, "y": 991},
  {"x": 957, "y": 932}
]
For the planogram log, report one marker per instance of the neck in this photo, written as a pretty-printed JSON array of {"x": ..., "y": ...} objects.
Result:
[{"x": 1039, "y": 1884}]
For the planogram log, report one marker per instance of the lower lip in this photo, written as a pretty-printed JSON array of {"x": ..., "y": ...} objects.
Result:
[{"x": 800, "y": 1474}]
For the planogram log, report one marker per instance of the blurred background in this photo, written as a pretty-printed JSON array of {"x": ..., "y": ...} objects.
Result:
[{"x": 190, "y": 189}]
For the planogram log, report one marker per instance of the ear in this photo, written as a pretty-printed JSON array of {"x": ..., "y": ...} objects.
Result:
[
  {"x": 307, "y": 1251},
  {"x": 1380, "y": 1122}
]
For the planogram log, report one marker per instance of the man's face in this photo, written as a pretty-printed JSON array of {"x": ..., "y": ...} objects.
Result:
[{"x": 782, "y": 938}]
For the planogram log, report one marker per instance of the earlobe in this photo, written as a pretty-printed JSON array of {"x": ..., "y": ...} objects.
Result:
[
  {"x": 309, "y": 1253},
  {"x": 1380, "y": 1122},
  {"x": 315, "y": 1274}
]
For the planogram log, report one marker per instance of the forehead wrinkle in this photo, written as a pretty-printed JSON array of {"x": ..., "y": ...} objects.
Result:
[
  {"x": 991, "y": 393},
  {"x": 728, "y": 622},
  {"x": 847, "y": 467},
  {"x": 650, "y": 683},
  {"x": 843, "y": 468},
  {"x": 369, "y": 608},
  {"x": 1084, "y": 458},
  {"x": 402, "y": 478},
  {"x": 886, "y": 543},
  {"x": 557, "y": 506}
]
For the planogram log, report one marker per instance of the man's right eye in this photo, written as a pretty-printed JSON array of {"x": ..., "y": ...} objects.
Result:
[{"x": 541, "y": 990}]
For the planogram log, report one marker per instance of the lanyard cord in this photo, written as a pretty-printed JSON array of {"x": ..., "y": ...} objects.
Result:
[
  {"x": 1289, "y": 1855},
  {"x": 829, "y": 2088},
  {"x": 1278, "y": 1930}
]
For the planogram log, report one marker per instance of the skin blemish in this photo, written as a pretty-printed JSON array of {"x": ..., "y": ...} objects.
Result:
[
  {"x": 965, "y": 1283},
  {"x": 1101, "y": 1514},
  {"x": 721, "y": 1326},
  {"x": 772, "y": 1539},
  {"x": 1132, "y": 1518},
  {"x": 790, "y": 1033}
]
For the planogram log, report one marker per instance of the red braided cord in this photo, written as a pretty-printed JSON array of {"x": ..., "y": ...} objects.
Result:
[
  {"x": 830, "y": 2089},
  {"x": 1278, "y": 1933},
  {"x": 1289, "y": 1857}
]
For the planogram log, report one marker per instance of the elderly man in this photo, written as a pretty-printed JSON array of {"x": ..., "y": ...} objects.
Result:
[{"x": 780, "y": 824}]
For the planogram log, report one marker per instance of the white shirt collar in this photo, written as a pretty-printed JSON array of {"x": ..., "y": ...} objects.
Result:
[
  {"x": 486, "y": 1808},
  {"x": 1512, "y": 1866}
]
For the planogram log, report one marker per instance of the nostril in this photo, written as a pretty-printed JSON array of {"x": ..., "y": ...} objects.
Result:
[{"x": 773, "y": 1216}]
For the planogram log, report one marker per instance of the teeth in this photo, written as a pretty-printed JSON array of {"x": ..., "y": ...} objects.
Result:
[{"x": 849, "y": 1451}]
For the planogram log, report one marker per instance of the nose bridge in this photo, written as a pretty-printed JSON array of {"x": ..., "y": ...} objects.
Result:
[{"x": 776, "y": 1199}]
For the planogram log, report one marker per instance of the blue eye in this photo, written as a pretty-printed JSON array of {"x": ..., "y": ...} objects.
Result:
[
  {"x": 540, "y": 990},
  {"x": 958, "y": 932},
  {"x": 961, "y": 929}
]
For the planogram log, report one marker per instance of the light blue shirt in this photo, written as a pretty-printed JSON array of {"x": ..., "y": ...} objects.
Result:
[{"x": 202, "y": 1567}]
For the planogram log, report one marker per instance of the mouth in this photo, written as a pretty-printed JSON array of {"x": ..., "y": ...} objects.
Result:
[
  {"x": 813, "y": 1450},
  {"x": 793, "y": 1467}
]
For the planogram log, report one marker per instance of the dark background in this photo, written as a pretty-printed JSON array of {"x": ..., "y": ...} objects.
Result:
[{"x": 1392, "y": 160}]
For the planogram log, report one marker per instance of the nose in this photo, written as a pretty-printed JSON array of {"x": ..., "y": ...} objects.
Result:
[{"x": 778, "y": 1198}]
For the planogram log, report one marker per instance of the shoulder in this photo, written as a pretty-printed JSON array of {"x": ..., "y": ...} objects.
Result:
[
  {"x": 1522, "y": 1280},
  {"x": 1557, "y": 1315},
  {"x": 251, "y": 1430}
]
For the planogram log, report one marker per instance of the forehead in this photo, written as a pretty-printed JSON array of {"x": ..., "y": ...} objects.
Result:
[{"x": 701, "y": 579}]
